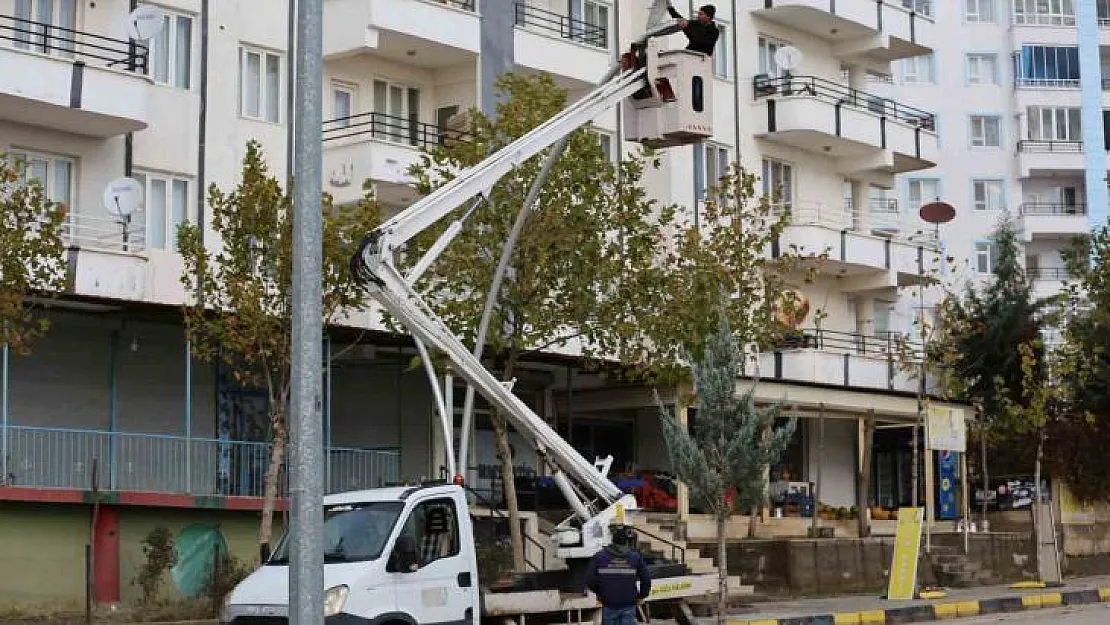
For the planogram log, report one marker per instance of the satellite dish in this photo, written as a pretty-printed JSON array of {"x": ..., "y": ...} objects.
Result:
[
  {"x": 937, "y": 213},
  {"x": 788, "y": 57},
  {"x": 122, "y": 197},
  {"x": 145, "y": 22}
]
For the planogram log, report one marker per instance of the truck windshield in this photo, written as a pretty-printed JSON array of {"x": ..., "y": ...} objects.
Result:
[{"x": 352, "y": 532}]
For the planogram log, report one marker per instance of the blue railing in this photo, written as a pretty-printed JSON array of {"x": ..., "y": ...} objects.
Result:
[{"x": 39, "y": 457}]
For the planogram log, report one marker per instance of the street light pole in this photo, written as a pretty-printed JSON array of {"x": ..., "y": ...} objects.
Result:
[{"x": 306, "y": 563}]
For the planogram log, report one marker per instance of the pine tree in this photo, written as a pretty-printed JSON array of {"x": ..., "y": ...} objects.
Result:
[{"x": 731, "y": 447}]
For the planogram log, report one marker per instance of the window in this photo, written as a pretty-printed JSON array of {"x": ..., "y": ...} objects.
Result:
[
  {"x": 1033, "y": 265},
  {"x": 918, "y": 70},
  {"x": 605, "y": 140},
  {"x": 396, "y": 112},
  {"x": 985, "y": 257},
  {"x": 922, "y": 191},
  {"x": 982, "y": 69},
  {"x": 260, "y": 85},
  {"x": 32, "y": 19},
  {"x": 434, "y": 527},
  {"x": 167, "y": 207},
  {"x": 716, "y": 167},
  {"x": 342, "y": 104},
  {"x": 988, "y": 195},
  {"x": 1047, "y": 66},
  {"x": 1044, "y": 12},
  {"x": 720, "y": 55},
  {"x": 778, "y": 182},
  {"x": 986, "y": 131},
  {"x": 924, "y": 7},
  {"x": 171, "y": 52},
  {"x": 981, "y": 11},
  {"x": 590, "y": 22},
  {"x": 1050, "y": 123},
  {"x": 54, "y": 173},
  {"x": 767, "y": 49}
]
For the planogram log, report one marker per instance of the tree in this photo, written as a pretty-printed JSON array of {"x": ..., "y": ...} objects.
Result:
[
  {"x": 976, "y": 353},
  {"x": 240, "y": 313},
  {"x": 32, "y": 260},
  {"x": 733, "y": 444}
]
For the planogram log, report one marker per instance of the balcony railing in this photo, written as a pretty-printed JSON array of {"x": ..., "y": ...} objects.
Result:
[
  {"x": 73, "y": 44},
  {"x": 1041, "y": 83},
  {"x": 1054, "y": 274},
  {"x": 1041, "y": 146},
  {"x": 1043, "y": 19},
  {"x": 883, "y": 205},
  {"x": 390, "y": 128},
  {"x": 845, "y": 217},
  {"x": 99, "y": 233},
  {"x": 838, "y": 94},
  {"x": 562, "y": 25},
  {"x": 37, "y": 457},
  {"x": 885, "y": 344},
  {"x": 1052, "y": 208},
  {"x": 465, "y": 5}
]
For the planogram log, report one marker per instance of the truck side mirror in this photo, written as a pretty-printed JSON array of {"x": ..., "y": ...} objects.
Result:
[{"x": 405, "y": 557}]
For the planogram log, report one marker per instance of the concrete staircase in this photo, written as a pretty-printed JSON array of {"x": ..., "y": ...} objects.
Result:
[
  {"x": 951, "y": 568},
  {"x": 658, "y": 535}
]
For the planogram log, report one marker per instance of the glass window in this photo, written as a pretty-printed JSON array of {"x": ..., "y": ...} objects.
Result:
[
  {"x": 985, "y": 257},
  {"x": 918, "y": 70},
  {"x": 778, "y": 182},
  {"x": 982, "y": 69},
  {"x": 988, "y": 195},
  {"x": 167, "y": 208},
  {"x": 352, "y": 533},
  {"x": 260, "y": 85},
  {"x": 1048, "y": 66},
  {"x": 767, "y": 49},
  {"x": 986, "y": 131},
  {"x": 434, "y": 527},
  {"x": 720, "y": 55},
  {"x": 981, "y": 11},
  {"x": 922, "y": 191},
  {"x": 171, "y": 52}
]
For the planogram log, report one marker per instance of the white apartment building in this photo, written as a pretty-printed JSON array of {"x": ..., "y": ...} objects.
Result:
[
  {"x": 112, "y": 379},
  {"x": 1005, "y": 81}
]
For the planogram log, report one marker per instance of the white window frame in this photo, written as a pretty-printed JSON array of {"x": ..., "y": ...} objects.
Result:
[
  {"x": 978, "y": 15},
  {"x": 50, "y": 185},
  {"x": 264, "y": 55},
  {"x": 767, "y": 46},
  {"x": 1059, "y": 13},
  {"x": 992, "y": 192},
  {"x": 917, "y": 187},
  {"x": 398, "y": 127},
  {"x": 351, "y": 90},
  {"x": 785, "y": 173},
  {"x": 979, "y": 123},
  {"x": 167, "y": 239},
  {"x": 985, "y": 257},
  {"x": 607, "y": 141},
  {"x": 598, "y": 7},
  {"x": 1035, "y": 117},
  {"x": 714, "y": 157},
  {"x": 62, "y": 43},
  {"x": 722, "y": 60},
  {"x": 976, "y": 74},
  {"x": 919, "y": 70},
  {"x": 170, "y": 27}
]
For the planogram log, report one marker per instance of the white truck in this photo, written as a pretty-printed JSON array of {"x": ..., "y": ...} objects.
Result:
[{"x": 407, "y": 555}]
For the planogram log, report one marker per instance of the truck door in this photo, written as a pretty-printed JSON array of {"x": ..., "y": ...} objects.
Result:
[{"x": 438, "y": 588}]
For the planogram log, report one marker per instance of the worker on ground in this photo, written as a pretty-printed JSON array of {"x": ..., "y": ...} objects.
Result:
[
  {"x": 701, "y": 33},
  {"x": 613, "y": 575}
]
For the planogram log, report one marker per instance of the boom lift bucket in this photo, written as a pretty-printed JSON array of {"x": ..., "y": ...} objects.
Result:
[{"x": 675, "y": 107}]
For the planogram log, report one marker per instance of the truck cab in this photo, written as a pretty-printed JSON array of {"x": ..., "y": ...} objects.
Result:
[{"x": 398, "y": 556}]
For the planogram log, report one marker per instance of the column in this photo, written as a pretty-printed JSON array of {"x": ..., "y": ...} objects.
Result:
[{"x": 1090, "y": 71}]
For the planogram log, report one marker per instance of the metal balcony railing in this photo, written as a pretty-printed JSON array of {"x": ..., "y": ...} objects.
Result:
[
  {"x": 1060, "y": 147},
  {"x": 1048, "y": 273},
  {"x": 845, "y": 217},
  {"x": 838, "y": 94},
  {"x": 892, "y": 344},
  {"x": 1043, "y": 19},
  {"x": 73, "y": 44},
  {"x": 36, "y": 457},
  {"x": 101, "y": 233},
  {"x": 1058, "y": 83},
  {"x": 465, "y": 5},
  {"x": 1052, "y": 208},
  {"x": 391, "y": 128},
  {"x": 562, "y": 25}
]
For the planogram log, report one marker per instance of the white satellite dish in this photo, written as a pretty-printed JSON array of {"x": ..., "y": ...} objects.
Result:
[
  {"x": 145, "y": 23},
  {"x": 788, "y": 57},
  {"x": 122, "y": 197}
]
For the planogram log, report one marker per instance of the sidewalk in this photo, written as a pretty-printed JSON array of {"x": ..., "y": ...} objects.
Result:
[{"x": 867, "y": 609}]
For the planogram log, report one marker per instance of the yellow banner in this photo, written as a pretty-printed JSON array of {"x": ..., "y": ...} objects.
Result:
[{"x": 907, "y": 550}]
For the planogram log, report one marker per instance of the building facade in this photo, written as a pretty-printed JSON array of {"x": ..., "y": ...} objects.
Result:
[{"x": 111, "y": 401}]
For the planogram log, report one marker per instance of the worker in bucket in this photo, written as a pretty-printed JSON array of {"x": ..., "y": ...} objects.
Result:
[
  {"x": 702, "y": 33},
  {"x": 613, "y": 575}
]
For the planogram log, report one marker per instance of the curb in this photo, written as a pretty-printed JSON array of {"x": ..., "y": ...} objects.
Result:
[{"x": 943, "y": 611}]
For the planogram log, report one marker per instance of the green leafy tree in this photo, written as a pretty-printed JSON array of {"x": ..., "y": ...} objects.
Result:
[
  {"x": 988, "y": 350},
  {"x": 32, "y": 260},
  {"x": 732, "y": 445},
  {"x": 240, "y": 313}
]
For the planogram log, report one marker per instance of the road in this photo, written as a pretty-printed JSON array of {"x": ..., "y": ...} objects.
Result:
[{"x": 1097, "y": 614}]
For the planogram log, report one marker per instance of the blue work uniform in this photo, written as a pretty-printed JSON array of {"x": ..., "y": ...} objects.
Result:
[{"x": 612, "y": 576}]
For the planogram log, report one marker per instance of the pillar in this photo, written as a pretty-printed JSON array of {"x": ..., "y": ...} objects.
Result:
[
  {"x": 1090, "y": 72},
  {"x": 683, "y": 507}
]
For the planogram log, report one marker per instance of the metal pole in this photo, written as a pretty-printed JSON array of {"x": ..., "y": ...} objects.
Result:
[
  {"x": 327, "y": 413},
  {"x": 306, "y": 567},
  {"x": 188, "y": 416},
  {"x": 113, "y": 355},
  {"x": 4, "y": 367}
]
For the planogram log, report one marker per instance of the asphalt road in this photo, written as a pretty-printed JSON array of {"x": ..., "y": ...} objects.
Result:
[{"x": 1097, "y": 614}]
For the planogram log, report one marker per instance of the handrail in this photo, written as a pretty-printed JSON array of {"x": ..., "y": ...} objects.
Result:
[
  {"x": 103, "y": 233},
  {"x": 563, "y": 25},
  {"x": 1048, "y": 273},
  {"x": 43, "y": 37},
  {"x": 1052, "y": 208},
  {"x": 1045, "y": 145},
  {"x": 670, "y": 543},
  {"x": 836, "y": 93},
  {"x": 500, "y": 515},
  {"x": 884, "y": 344},
  {"x": 390, "y": 128}
]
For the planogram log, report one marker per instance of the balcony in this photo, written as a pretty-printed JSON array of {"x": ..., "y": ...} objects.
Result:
[
  {"x": 1044, "y": 220},
  {"x": 865, "y": 133},
  {"x": 55, "y": 458},
  {"x": 815, "y": 356},
  {"x": 71, "y": 81},
  {"x": 378, "y": 147},
  {"x": 867, "y": 250},
  {"x": 422, "y": 33},
  {"x": 882, "y": 31},
  {"x": 1049, "y": 158},
  {"x": 560, "y": 45}
]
